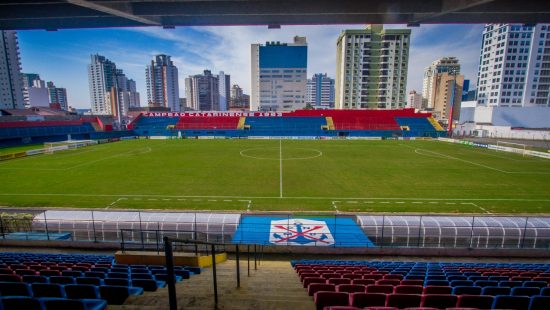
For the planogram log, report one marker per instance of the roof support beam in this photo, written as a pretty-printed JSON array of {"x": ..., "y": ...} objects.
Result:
[
  {"x": 123, "y": 10},
  {"x": 449, "y": 7}
]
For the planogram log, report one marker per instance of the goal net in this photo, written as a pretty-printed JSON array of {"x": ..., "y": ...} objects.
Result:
[
  {"x": 52, "y": 147},
  {"x": 514, "y": 147}
]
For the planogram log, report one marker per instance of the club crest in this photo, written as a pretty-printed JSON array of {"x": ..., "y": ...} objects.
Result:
[{"x": 300, "y": 232}]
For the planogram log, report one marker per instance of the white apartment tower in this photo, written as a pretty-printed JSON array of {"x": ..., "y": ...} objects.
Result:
[
  {"x": 11, "y": 82},
  {"x": 279, "y": 75},
  {"x": 371, "y": 68},
  {"x": 101, "y": 78},
  {"x": 320, "y": 91},
  {"x": 448, "y": 65},
  {"x": 224, "y": 89},
  {"x": 514, "y": 66},
  {"x": 162, "y": 83}
]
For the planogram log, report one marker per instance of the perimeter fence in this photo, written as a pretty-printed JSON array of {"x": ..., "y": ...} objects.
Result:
[{"x": 337, "y": 230}]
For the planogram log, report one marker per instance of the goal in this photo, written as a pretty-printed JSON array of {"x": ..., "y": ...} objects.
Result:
[
  {"x": 52, "y": 147},
  {"x": 513, "y": 147}
]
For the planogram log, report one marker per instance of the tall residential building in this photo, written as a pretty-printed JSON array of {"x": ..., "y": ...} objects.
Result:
[
  {"x": 37, "y": 94},
  {"x": 58, "y": 96},
  {"x": 11, "y": 83},
  {"x": 514, "y": 68},
  {"x": 279, "y": 75},
  {"x": 111, "y": 92},
  {"x": 320, "y": 91},
  {"x": 162, "y": 83},
  {"x": 28, "y": 80},
  {"x": 239, "y": 101},
  {"x": 371, "y": 68},
  {"x": 414, "y": 100},
  {"x": 133, "y": 95},
  {"x": 202, "y": 92},
  {"x": 445, "y": 64},
  {"x": 224, "y": 89},
  {"x": 101, "y": 78},
  {"x": 447, "y": 97}
]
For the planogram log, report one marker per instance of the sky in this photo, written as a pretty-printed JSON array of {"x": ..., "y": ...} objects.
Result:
[{"x": 62, "y": 56}]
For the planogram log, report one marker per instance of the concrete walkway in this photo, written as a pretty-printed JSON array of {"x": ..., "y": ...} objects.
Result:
[{"x": 274, "y": 285}]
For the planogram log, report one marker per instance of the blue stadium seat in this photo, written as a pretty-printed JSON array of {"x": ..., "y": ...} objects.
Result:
[
  {"x": 82, "y": 304},
  {"x": 117, "y": 295},
  {"x": 495, "y": 290},
  {"x": 20, "y": 303},
  {"x": 47, "y": 290},
  {"x": 116, "y": 281},
  {"x": 92, "y": 281},
  {"x": 467, "y": 290},
  {"x": 539, "y": 303},
  {"x": 82, "y": 291},
  {"x": 475, "y": 301},
  {"x": 511, "y": 302},
  {"x": 525, "y": 291},
  {"x": 35, "y": 279},
  {"x": 62, "y": 280},
  {"x": 15, "y": 289}
]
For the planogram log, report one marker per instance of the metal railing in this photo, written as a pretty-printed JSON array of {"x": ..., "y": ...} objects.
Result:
[
  {"x": 168, "y": 244},
  {"x": 379, "y": 231}
]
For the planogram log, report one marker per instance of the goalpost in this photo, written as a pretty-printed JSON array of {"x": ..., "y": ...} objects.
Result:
[
  {"x": 514, "y": 147},
  {"x": 52, "y": 147}
]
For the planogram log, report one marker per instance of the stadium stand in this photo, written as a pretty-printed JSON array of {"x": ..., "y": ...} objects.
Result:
[
  {"x": 308, "y": 123},
  {"x": 512, "y": 285},
  {"x": 76, "y": 281}
]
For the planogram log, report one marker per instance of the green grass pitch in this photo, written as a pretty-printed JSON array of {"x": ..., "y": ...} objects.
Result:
[{"x": 281, "y": 175}]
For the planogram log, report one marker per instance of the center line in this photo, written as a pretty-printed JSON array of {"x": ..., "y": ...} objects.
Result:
[{"x": 280, "y": 169}]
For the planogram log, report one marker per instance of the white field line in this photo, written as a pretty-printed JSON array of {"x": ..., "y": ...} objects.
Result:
[
  {"x": 115, "y": 202},
  {"x": 280, "y": 168},
  {"x": 335, "y": 206},
  {"x": 365, "y": 199},
  {"x": 416, "y": 150},
  {"x": 147, "y": 150}
]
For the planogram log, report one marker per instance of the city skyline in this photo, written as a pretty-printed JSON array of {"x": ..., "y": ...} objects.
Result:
[{"x": 195, "y": 49}]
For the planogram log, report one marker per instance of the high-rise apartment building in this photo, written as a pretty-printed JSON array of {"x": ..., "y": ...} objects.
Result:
[
  {"x": 320, "y": 91},
  {"x": 371, "y": 68},
  {"x": 133, "y": 95},
  {"x": 444, "y": 65},
  {"x": 447, "y": 97},
  {"x": 58, "y": 96},
  {"x": 101, "y": 78},
  {"x": 279, "y": 75},
  {"x": 37, "y": 94},
  {"x": 202, "y": 91},
  {"x": 162, "y": 83},
  {"x": 514, "y": 66},
  {"x": 414, "y": 100},
  {"x": 28, "y": 80},
  {"x": 11, "y": 83},
  {"x": 224, "y": 89},
  {"x": 111, "y": 92},
  {"x": 239, "y": 100}
]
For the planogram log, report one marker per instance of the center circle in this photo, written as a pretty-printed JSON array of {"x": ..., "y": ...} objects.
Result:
[{"x": 288, "y": 153}]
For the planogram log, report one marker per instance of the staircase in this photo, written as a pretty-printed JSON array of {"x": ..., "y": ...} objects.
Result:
[
  {"x": 274, "y": 285},
  {"x": 435, "y": 124},
  {"x": 330, "y": 123},
  {"x": 96, "y": 126},
  {"x": 240, "y": 125}
]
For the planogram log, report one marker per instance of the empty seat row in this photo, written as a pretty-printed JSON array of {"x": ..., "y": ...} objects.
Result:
[
  {"x": 324, "y": 299},
  {"x": 29, "y": 303},
  {"x": 113, "y": 294}
]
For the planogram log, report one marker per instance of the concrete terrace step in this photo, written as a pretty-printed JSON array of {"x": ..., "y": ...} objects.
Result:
[{"x": 273, "y": 286}]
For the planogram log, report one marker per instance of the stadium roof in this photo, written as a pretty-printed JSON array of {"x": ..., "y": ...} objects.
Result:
[{"x": 56, "y": 14}]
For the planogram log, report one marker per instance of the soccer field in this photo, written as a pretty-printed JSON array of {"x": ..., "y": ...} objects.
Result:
[{"x": 281, "y": 175}]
